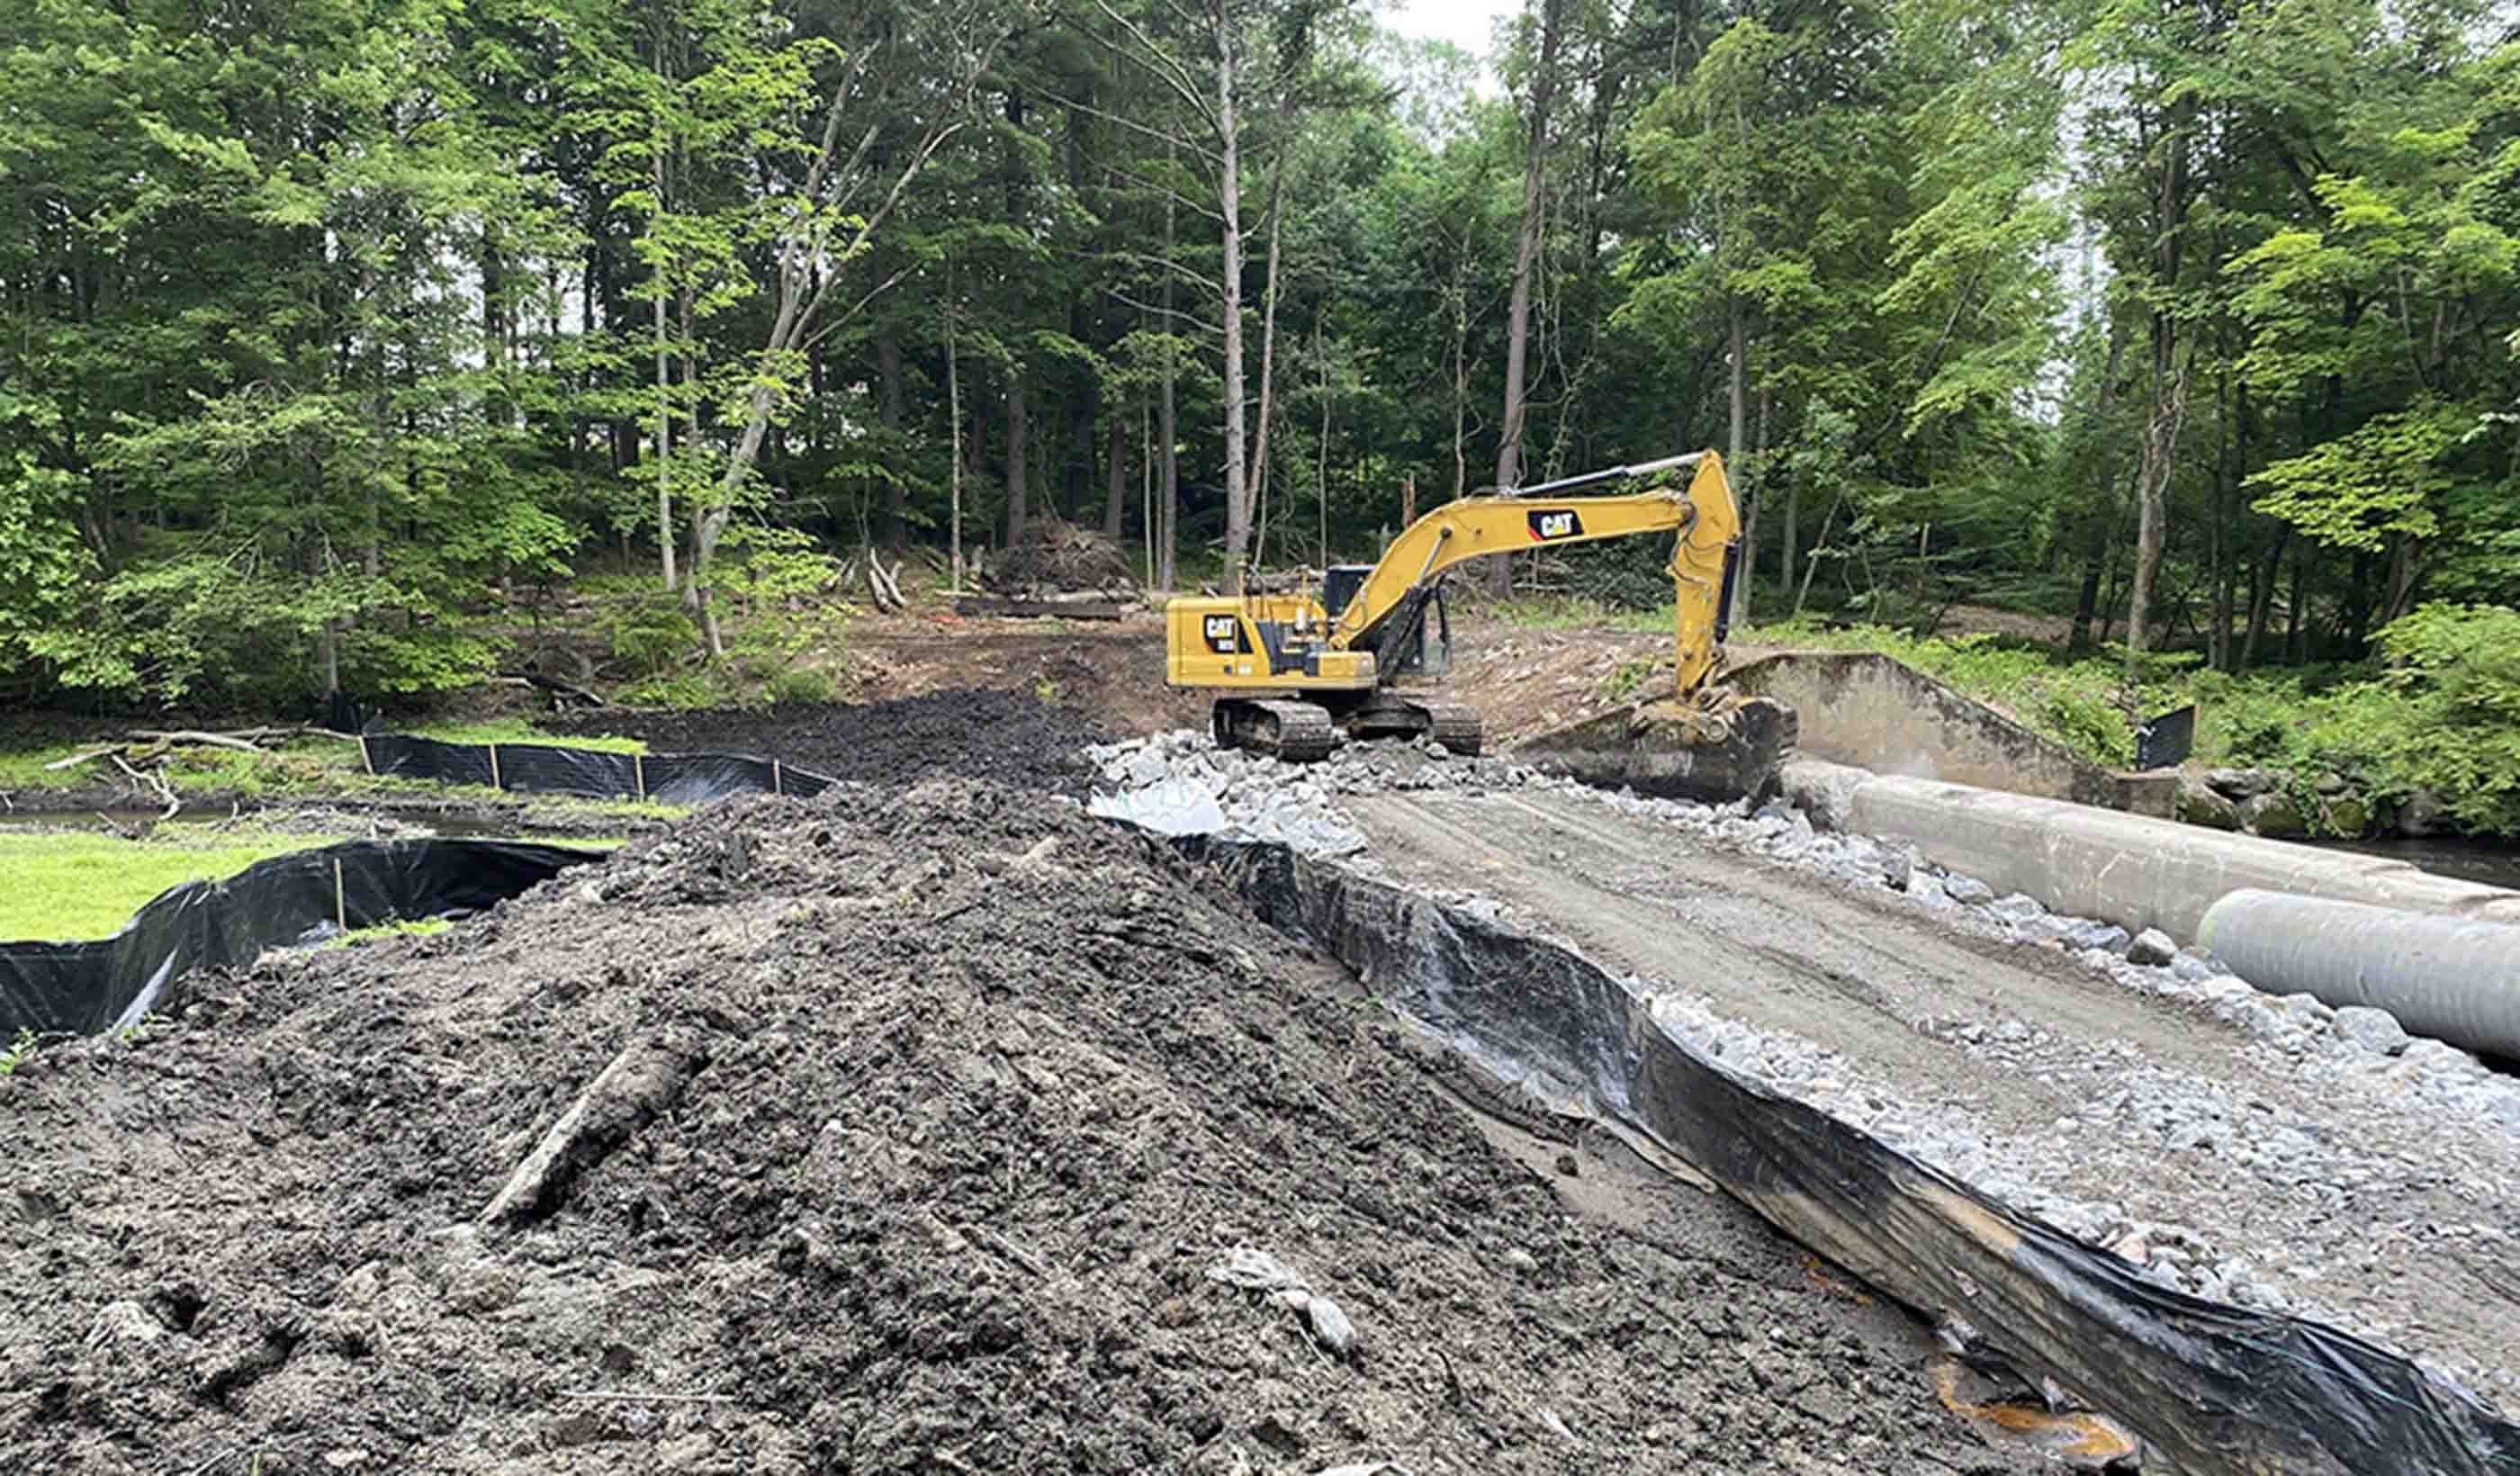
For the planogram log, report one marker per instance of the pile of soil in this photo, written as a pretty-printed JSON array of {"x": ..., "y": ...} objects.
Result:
[
  {"x": 885, "y": 1131},
  {"x": 1012, "y": 738}
]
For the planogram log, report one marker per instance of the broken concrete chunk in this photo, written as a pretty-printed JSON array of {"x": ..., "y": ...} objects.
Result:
[
  {"x": 1968, "y": 889},
  {"x": 2375, "y": 1030},
  {"x": 2151, "y": 948},
  {"x": 1331, "y": 1326}
]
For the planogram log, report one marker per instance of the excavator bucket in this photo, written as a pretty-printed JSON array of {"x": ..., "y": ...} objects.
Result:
[{"x": 1712, "y": 751}]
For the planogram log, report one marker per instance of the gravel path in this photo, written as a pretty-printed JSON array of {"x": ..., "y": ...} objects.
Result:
[{"x": 2256, "y": 1151}]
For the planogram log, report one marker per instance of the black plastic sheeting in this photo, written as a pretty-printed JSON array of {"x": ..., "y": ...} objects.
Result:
[
  {"x": 111, "y": 983},
  {"x": 673, "y": 779},
  {"x": 2210, "y": 1388}
]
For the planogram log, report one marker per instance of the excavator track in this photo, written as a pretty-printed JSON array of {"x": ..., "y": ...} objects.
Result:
[
  {"x": 1398, "y": 715},
  {"x": 1297, "y": 733},
  {"x": 1456, "y": 727}
]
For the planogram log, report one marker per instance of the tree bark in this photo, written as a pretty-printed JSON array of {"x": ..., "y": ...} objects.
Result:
[
  {"x": 1526, "y": 264},
  {"x": 2401, "y": 577},
  {"x": 1229, "y": 191},
  {"x": 1167, "y": 428},
  {"x": 1115, "y": 474},
  {"x": 953, "y": 433},
  {"x": 2297, "y": 618},
  {"x": 887, "y": 366},
  {"x": 2161, "y": 443},
  {"x": 1268, "y": 357},
  {"x": 1460, "y": 388},
  {"x": 1018, "y": 437},
  {"x": 1735, "y": 443},
  {"x": 665, "y": 534},
  {"x": 2096, "y": 545},
  {"x": 2261, "y": 598},
  {"x": 2168, "y": 386}
]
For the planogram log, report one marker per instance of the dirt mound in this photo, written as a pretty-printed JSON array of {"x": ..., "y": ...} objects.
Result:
[
  {"x": 888, "y": 1132},
  {"x": 1012, "y": 738},
  {"x": 1055, "y": 556}
]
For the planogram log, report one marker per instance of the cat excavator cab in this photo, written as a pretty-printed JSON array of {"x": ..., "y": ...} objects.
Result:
[{"x": 1294, "y": 668}]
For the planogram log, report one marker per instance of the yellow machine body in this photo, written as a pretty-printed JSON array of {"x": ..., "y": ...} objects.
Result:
[
  {"x": 1264, "y": 643},
  {"x": 1286, "y": 664},
  {"x": 1224, "y": 642}
]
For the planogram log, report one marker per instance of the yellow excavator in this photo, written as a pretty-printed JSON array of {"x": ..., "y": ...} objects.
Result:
[{"x": 1294, "y": 668}]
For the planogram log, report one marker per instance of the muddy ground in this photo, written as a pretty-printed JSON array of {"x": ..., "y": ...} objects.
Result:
[
  {"x": 1012, "y": 738},
  {"x": 894, "y": 1130}
]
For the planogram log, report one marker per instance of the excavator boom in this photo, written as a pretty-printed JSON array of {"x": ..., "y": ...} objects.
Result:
[
  {"x": 1294, "y": 668},
  {"x": 1705, "y": 513}
]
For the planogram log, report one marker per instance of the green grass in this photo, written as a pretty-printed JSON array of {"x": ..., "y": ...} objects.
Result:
[
  {"x": 519, "y": 731},
  {"x": 69, "y": 886},
  {"x": 73, "y": 885},
  {"x": 329, "y": 764},
  {"x": 394, "y": 929},
  {"x": 1576, "y": 613}
]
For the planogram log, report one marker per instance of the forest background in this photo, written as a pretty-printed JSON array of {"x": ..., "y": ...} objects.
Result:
[{"x": 334, "y": 332}]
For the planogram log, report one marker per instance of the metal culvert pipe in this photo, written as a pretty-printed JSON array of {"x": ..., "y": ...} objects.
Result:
[{"x": 2455, "y": 979}]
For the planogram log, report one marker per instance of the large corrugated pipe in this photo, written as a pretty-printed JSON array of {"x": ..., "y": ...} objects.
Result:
[{"x": 2455, "y": 979}]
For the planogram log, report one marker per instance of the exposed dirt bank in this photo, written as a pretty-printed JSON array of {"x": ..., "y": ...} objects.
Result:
[{"x": 891, "y": 1132}]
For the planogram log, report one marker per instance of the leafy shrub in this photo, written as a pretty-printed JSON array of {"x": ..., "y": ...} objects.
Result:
[
  {"x": 685, "y": 689},
  {"x": 2445, "y": 717},
  {"x": 800, "y": 686},
  {"x": 652, "y": 634}
]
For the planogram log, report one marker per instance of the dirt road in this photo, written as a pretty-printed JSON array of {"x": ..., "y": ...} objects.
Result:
[{"x": 2019, "y": 1066}]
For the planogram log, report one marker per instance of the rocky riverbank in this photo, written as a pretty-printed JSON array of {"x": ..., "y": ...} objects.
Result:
[{"x": 2282, "y": 804}]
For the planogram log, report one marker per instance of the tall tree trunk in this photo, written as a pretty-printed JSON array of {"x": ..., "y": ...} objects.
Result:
[
  {"x": 1736, "y": 401},
  {"x": 1461, "y": 388},
  {"x": 1018, "y": 436},
  {"x": 1116, "y": 472},
  {"x": 2297, "y": 619},
  {"x": 1268, "y": 354},
  {"x": 2100, "y": 533},
  {"x": 2169, "y": 384},
  {"x": 2401, "y": 577},
  {"x": 953, "y": 432},
  {"x": 2087, "y": 595},
  {"x": 1229, "y": 191},
  {"x": 665, "y": 534},
  {"x": 896, "y": 500},
  {"x": 1321, "y": 477},
  {"x": 1167, "y": 430},
  {"x": 2262, "y": 597},
  {"x": 2160, "y": 446},
  {"x": 496, "y": 407},
  {"x": 1526, "y": 259}
]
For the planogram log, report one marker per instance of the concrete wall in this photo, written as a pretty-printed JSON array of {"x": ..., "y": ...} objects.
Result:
[
  {"x": 1867, "y": 709},
  {"x": 2135, "y": 871}
]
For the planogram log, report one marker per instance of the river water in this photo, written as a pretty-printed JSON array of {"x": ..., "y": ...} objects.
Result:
[{"x": 2466, "y": 860}]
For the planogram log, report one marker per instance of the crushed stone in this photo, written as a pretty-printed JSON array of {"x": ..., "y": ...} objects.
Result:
[{"x": 2407, "y": 1116}]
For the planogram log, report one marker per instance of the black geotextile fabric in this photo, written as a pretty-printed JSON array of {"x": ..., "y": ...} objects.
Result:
[
  {"x": 672, "y": 779},
  {"x": 112, "y": 982},
  {"x": 2212, "y": 1388}
]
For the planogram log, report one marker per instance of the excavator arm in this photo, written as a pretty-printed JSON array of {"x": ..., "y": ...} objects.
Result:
[{"x": 1387, "y": 604}]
